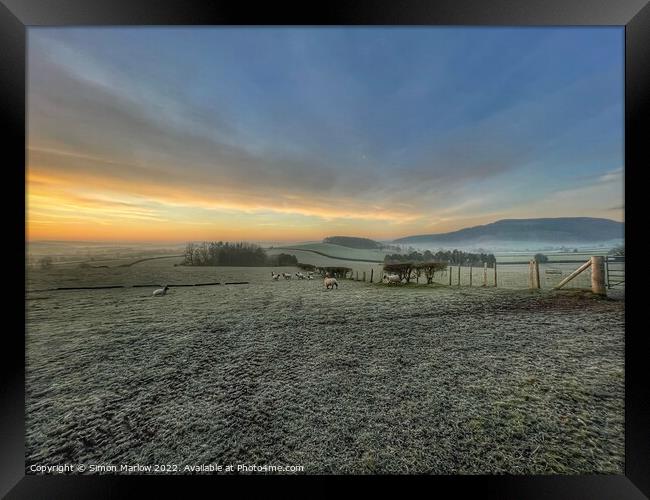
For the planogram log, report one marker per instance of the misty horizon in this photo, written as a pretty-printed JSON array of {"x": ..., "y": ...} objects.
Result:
[{"x": 496, "y": 243}]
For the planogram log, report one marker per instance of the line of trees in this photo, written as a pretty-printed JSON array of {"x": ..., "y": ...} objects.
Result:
[
  {"x": 334, "y": 272},
  {"x": 413, "y": 270},
  {"x": 282, "y": 259},
  {"x": 451, "y": 257},
  {"x": 219, "y": 253},
  {"x": 306, "y": 267}
]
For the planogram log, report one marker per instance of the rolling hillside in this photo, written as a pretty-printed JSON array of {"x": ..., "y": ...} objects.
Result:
[
  {"x": 332, "y": 251},
  {"x": 353, "y": 242},
  {"x": 564, "y": 230}
]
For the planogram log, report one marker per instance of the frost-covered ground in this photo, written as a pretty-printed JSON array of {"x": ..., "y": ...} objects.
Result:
[{"x": 363, "y": 379}]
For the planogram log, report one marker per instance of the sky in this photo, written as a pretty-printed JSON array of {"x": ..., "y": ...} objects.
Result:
[{"x": 295, "y": 134}]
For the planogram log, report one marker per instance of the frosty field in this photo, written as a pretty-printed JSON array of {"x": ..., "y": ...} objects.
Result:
[{"x": 363, "y": 379}]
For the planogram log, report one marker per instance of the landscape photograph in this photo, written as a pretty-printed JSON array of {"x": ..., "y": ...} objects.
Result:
[{"x": 330, "y": 251}]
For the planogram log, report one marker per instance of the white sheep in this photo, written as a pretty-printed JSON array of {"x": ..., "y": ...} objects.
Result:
[
  {"x": 330, "y": 283},
  {"x": 392, "y": 278},
  {"x": 160, "y": 291}
]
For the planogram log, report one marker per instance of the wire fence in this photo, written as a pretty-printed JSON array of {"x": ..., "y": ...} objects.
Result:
[{"x": 509, "y": 275}]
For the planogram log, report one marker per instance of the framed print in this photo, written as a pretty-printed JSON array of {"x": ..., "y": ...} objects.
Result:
[{"x": 373, "y": 239}]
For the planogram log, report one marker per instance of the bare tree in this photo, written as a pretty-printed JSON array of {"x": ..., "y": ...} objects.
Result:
[
  {"x": 189, "y": 253},
  {"x": 203, "y": 253},
  {"x": 430, "y": 269}
]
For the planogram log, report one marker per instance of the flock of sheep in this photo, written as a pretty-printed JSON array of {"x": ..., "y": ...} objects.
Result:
[
  {"x": 328, "y": 281},
  {"x": 287, "y": 276}
]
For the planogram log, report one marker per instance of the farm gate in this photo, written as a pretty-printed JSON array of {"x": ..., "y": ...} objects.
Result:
[{"x": 615, "y": 271}]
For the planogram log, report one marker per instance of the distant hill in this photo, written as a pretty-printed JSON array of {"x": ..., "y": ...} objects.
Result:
[
  {"x": 353, "y": 242},
  {"x": 557, "y": 230}
]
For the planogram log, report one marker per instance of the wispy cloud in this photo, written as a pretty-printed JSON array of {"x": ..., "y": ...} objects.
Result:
[{"x": 612, "y": 176}]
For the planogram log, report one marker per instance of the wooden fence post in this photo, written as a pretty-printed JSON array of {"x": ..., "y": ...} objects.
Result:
[
  {"x": 598, "y": 275},
  {"x": 364, "y": 276},
  {"x": 470, "y": 275},
  {"x": 450, "y": 271},
  {"x": 458, "y": 275},
  {"x": 372, "y": 270},
  {"x": 484, "y": 273},
  {"x": 495, "y": 274},
  {"x": 536, "y": 269}
]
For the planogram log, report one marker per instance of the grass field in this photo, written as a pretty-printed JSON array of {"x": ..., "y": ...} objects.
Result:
[{"x": 363, "y": 379}]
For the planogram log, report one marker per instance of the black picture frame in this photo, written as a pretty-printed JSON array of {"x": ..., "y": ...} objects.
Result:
[{"x": 17, "y": 15}]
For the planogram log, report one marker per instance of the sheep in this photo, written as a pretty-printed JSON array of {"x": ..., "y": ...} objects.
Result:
[
  {"x": 392, "y": 278},
  {"x": 287, "y": 276},
  {"x": 330, "y": 283},
  {"x": 160, "y": 291},
  {"x": 300, "y": 276},
  {"x": 274, "y": 276}
]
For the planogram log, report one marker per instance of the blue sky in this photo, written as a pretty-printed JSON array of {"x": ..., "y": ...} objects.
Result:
[{"x": 301, "y": 133}]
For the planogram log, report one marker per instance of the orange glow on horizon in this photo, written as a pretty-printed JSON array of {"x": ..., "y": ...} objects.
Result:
[
  {"x": 102, "y": 206},
  {"x": 61, "y": 206}
]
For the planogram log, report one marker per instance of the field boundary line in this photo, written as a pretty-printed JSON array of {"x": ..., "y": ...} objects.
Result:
[
  {"x": 329, "y": 256},
  {"x": 108, "y": 287}
]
